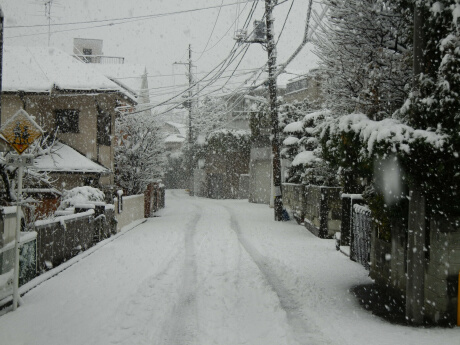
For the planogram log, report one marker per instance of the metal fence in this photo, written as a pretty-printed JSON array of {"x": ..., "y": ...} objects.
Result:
[{"x": 361, "y": 245}]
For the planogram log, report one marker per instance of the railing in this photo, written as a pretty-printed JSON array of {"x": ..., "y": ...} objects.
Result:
[
  {"x": 27, "y": 262},
  {"x": 362, "y": 235},
  {"x": 101, "y": 59}
]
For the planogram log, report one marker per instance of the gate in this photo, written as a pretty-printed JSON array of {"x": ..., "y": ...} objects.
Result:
[{"x": 361, "y": 245}]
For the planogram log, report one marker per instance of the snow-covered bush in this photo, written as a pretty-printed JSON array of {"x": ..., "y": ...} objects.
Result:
[
  {"x": 81, "y": 196},
  {"x": 302, "y": 146}
]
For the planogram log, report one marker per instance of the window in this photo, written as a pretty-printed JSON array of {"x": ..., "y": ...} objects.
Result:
[
  {"x": 67, "y": 120},
  {"x": 104, "y": 127},
  {"x": 87, "y": 51}
]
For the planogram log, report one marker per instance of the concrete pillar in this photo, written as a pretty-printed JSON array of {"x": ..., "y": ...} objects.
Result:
[{"x": 415, "y": 285}]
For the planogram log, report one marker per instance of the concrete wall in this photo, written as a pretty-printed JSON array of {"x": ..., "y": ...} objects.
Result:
[
  {"x": 243, "y": 190},
  {"x": 7, "y": 225},
  {"x": 441, "y": 277},
  {"x": 441, "y": 261},
  {"x": 223, "y": 173},
  {"x": 199, "y": 182},
  {"x": 133, "y": 209},
  {"x": 260, "y": 175}
]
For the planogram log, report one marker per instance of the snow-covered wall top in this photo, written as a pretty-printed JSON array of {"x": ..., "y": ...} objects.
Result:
[{"x": 39, "y": 69}]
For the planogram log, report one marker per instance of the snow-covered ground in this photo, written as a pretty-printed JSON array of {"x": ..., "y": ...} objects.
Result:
[{"x": 208, "y": 272}]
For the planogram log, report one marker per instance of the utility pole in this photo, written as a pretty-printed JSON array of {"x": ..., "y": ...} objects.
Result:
[
  {"x": 415, "y": 283},
  {"x": 272, "y": 92},
  {"x": 1, "y": 60},
  {"x": 188, "y": 103},
  {"x": 190, "y": 81}
]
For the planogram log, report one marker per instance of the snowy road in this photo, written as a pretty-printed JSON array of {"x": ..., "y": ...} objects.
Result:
[{"x": 208, "y": 272}]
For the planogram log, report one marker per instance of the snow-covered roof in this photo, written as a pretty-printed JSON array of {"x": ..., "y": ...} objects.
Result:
[
  {"x": 175, "y": 138},
  {"x": 40, "y": 69},
  {"x": 129, "y": 76},
  {"x": 63, "y": 158},
  {"x": 180, "y": 127}
]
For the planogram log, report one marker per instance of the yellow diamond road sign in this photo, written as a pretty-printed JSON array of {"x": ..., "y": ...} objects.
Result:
[{"x": 21, "y": 131}]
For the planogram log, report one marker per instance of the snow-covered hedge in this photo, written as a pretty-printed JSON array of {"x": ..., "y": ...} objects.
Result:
[
  {"x": 374, "y": 137},
  {"x": 228, "y": 140}
]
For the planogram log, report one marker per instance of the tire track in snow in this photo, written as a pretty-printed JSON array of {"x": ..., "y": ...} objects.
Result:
[
  {"x": 304, "y": 333},
  {"x": 181, "y": 326}
]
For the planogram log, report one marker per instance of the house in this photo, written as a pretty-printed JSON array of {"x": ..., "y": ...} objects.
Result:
[
  {"x": 304, "y": 87},
  {"x": 66, "y": 97},
  {"x": 175, "y": 136},
  {"x": 89, "y": 50},
  {"x": 130, "y": 77}
]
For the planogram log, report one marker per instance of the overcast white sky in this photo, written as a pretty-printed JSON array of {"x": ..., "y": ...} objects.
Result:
[{"x": 157, "y": 42}]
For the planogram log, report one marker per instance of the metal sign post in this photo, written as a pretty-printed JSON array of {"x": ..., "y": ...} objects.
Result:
[{"x": 20, "y": 131}]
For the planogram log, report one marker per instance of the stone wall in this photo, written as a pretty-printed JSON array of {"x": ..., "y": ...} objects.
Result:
[
  {"x": 323, "y": 210},
  {"x": 294, "y": 200},
  {"x": 63, "y": 237}
]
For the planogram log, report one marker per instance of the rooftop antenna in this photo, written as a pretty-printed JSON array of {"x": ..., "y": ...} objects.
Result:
[
  {"x": 48, "y": 5},
  {"x": 48, "y": 16},
  {"x": 236, "y": 19}
]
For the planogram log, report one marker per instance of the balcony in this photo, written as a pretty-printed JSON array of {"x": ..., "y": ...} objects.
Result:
[{"x": 102, "y": 59}]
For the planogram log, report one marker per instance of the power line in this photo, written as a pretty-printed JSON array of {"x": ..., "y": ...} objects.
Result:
[
  {"x": 212, "y": 31},
  {"x": 113, "y": 23},
  {"x": 251, "y": 13},
  {"x": 149, "y": 16},
  {"x": 175, "y": 75},
  {"x": 285, "y": 21},
  {"x": 221, "y": 67}
]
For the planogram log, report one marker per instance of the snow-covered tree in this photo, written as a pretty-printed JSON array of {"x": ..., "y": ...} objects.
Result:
[
  {"x": 139, "y": 153},
  {"x": 302, "y": 146},
  {"x": 364, "y": 49},
  {"x": 32, "y": 178},
  {"x": 434, "y": 106},
  {"x": 209, "y": 115}
]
